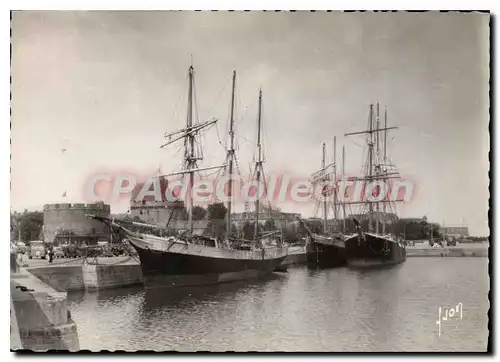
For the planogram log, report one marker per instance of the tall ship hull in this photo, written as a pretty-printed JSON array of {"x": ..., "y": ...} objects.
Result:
[
  {"x": 186, "y": 264},
  {"x": 323, "y": 250},
  {"x": 326, "y": 252},
  {"x": 372, "y": 250}
]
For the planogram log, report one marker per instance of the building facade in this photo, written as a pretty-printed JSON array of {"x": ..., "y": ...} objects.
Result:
[
  {"x": 455, "y": 231},
  {"x": 156, "y": 212},
  {"x": 171, "y": 214},
  {"x": 68, "y": 223},
  {"x": 153, "y": 211},
  {"x": 381, "y": 216},
  {"x": 332, "y": 225},
  {"x": 281, "y": 219}
]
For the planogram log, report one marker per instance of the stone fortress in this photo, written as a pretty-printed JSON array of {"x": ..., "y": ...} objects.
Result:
[{"x": 68, "y": 223}]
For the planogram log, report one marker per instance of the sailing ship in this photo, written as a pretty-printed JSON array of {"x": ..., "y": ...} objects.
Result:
[
  {"x": 190, "y": 259},
  {"x": 374, "y": 247},
  {"x": 326, "y": 249}
]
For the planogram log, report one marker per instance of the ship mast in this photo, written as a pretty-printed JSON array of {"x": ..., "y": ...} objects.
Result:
[
  {"x": 371, "y": 143},
  {"x": 230, "y": 156},
  {"x": 258, "y": 167},
  {"x": 385, "y": 165},
  {"x": 377, "y": 170},
  {"x": 335, "y": 216},
  {"x": 190, "y": 158},
  {"x": 189, "y": 147},
  {"x": 370, "y": 166},
  {"x": 325, "y": 210},
  {"x": 343, "y": 196}
]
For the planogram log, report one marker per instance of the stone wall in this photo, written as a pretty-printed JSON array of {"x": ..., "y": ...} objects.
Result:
[
  {"x": 111, "y": 276},
  {"x": 447, "y": 252},
  {"x": 89, "y": 277},
  {"x": 61, "y": 278},
  {"x": 40, "y": 316}
]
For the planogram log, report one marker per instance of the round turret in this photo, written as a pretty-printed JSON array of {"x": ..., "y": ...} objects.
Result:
[{"x": 70, "y": 222}]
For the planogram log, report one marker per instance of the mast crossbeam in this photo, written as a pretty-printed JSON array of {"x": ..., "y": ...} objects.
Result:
[
  {"x": 189, "y": 131},
  {"x": 370, "y": 131},
  {"x": 375, "y": 177},
  {"x": 368, "y": 202},
  {"x": 194, "y": 170}
]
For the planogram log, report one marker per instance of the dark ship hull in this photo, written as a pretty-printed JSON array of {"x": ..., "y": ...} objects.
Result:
[
  {"x": 325, "y": 253},
  {"x": 186, "y": 264},
  {"x": 374, "y": 251}
]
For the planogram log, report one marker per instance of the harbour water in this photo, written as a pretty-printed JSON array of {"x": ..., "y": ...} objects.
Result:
[{"x": 394, "y": 309}]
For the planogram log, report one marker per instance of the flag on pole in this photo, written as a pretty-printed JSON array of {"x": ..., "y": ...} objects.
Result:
[{"x": 64, "y": 194}]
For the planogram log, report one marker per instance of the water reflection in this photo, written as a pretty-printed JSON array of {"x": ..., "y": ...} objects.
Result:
[
  {"x": 189, "y": 297},
  {"x": 302, "y": 310}
]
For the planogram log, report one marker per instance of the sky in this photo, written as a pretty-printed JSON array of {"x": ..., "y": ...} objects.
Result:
[{"x": 106, "y": 86}]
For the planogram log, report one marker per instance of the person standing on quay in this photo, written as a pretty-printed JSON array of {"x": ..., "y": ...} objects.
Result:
[{"x": 51, "y": 253}]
